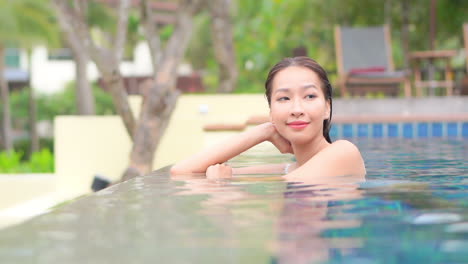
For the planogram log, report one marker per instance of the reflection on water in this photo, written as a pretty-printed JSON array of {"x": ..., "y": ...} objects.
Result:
[{"x": 411, "y": 209}]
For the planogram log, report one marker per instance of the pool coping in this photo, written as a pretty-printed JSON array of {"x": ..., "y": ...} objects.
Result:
[{"x": 345, "y": 119}]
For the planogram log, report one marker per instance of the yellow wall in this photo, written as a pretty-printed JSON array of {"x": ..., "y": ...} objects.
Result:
[
  {"x": 17, "y": 188},
  {"x": 85, "y": 146},
  {"x": 89, "y": 145},
  {"x": 184, "y": 135}
]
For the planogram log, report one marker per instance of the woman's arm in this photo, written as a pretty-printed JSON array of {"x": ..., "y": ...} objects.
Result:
[{"x": 230, "y": 148}]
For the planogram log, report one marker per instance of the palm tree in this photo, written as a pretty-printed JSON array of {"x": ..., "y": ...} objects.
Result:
[{"x": 24, "y": 24}]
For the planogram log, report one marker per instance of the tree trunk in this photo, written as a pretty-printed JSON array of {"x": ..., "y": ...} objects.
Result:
[
  {"x": 5, "y": 99},
  {"x": 151, "y": 34},
  {"x": 84, "y": 92},
  {"x": 32, "y": 112},
  {"x": 157, "y": 109},
  {"x": 221, "y": 28},
  {"x": 108, "y": 62},
  {"x": 72, "y": 23},
  {"x": 122, "y": 24},
  {"x": 113, "y": 81},
  {"x": 160, "y": 95}
]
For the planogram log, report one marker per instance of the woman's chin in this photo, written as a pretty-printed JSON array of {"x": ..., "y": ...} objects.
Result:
[{"x": 300, "y": 141}]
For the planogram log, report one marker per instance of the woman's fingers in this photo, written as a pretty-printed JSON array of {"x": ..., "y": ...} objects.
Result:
[
  {"x": 219, "y": 171},
  {"x": 283, "y": 145},
  {"x": 280, "y": 142}
]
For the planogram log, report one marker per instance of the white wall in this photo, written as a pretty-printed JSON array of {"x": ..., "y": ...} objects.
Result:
[
  {"x": 49, "y": 76},
  {"x": 23, "y": 63}
]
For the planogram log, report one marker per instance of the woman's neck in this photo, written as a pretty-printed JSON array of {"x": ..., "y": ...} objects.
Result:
[{"x": 304, "y": 152}]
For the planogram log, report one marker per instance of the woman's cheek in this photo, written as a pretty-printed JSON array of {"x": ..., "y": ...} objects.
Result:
[{"x": 282, "y": 129}]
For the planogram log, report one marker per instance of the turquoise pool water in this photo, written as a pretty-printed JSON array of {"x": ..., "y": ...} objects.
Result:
[
  {"x": 413, "y": 208},
  {"x": 452, "y": 130}
]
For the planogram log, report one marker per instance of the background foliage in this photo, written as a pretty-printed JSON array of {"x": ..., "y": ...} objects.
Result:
[
  {"x": 40, "y": 162},
  {"x": 60, "y": 103},
  {"x": 267, "y": 30}
]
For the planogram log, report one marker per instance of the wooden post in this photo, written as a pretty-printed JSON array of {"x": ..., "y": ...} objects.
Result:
[
  {"x": 448, "y": 77},
  {"x": 417, "y": 78},
  {"x": 339, "y": 55}
]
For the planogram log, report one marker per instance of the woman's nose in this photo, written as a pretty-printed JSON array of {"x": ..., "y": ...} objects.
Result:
[{"x": 296, "y": 108}]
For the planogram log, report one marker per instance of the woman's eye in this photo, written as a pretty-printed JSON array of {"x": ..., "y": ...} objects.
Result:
[
  {"x": 284, "y": 98},
  {"x": 310, "y": 96}
]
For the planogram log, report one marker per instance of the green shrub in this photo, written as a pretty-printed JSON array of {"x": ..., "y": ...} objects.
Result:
[
  {"x": 40, "y": 162},
  {"x": 10, "y": 162},
  {"x": 23, "y": 145}
]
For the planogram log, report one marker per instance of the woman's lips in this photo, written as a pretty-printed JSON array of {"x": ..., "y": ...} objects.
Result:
[{"x": 297, "y": 124}]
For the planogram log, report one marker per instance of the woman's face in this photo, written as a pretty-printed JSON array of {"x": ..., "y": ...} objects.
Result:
[{"x": 298, "y": 106}]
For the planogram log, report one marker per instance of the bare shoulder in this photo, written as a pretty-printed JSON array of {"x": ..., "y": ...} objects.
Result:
[
  {"x": 345, "y": 147},
  {"x": 345, "y": 155}
]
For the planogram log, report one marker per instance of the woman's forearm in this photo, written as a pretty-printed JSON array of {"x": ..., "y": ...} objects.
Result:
[{"x": 224, "y": 150}]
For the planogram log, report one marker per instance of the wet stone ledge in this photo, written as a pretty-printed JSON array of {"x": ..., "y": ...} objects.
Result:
[{"x": 148, "y": 219}]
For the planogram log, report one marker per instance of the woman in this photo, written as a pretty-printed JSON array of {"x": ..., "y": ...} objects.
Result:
[{"x": 299, "y": 95}]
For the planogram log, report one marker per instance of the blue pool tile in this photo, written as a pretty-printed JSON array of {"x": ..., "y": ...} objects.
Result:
[
  {"x": 423, "y": 130},
  {"x": 407, "y": 130},
  {"x": 347, "y": 130},
  {"x": 437, "y": 129},
  {"x": 392, "y": 130},
  {"x": 452, "y": 129},
  {"x": 465, "y": 129},
  {"x": 363, "y": 130},
  {"x": 377, "y": 130},
  {"x": 334, "y": 131}
]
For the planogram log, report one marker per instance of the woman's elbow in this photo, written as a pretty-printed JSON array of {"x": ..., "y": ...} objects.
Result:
[{"x": 175, "y": 170}]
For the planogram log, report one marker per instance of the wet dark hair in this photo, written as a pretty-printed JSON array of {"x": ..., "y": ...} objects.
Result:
[{"x": 312, "y": 65}]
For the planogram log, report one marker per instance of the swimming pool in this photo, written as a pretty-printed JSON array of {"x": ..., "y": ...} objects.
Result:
[
  {"x": 453, "y": 130},
  {"x": 413, "y": 208}
]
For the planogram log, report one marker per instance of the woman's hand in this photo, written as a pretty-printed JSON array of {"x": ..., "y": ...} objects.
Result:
[
  {"x": 219, "y": 171},
  {"x": 282, "y": 144}
]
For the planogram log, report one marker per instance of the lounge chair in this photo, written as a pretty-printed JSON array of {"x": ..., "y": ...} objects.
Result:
[{"x": 364, "y": 59}]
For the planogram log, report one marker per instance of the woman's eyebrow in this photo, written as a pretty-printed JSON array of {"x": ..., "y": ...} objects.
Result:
[
  {"x": 305, "y": 86},
  {"x": 282, "y": 90}
]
